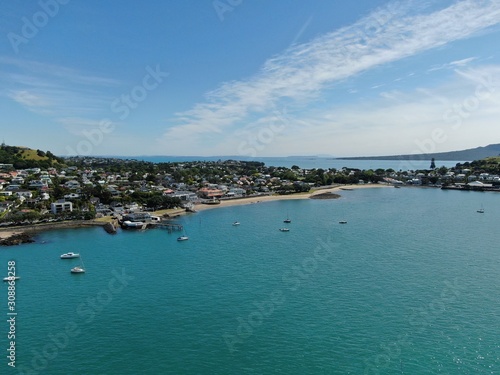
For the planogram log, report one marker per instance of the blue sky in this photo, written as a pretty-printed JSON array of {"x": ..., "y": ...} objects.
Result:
[{"x": 249, "y": 78}]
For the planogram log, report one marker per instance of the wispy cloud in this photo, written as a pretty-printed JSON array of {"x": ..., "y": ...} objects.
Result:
[
  {"x": 304, "y": 71},
  {"x": 54, "y": 90},
  {"x": 56, "y": 71},
  {"x": 409, "y": 116},
  {"x": 29, "y": 99},
  {"x": 452, "y": 64}
]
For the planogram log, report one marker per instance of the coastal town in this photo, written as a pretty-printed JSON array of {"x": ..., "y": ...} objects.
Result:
[{"x": 94, "y": 188}]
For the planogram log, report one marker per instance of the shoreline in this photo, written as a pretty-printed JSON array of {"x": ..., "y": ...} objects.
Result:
[
  {"x": 32, "y": 230},
  {"x": 270, "y": 198}
]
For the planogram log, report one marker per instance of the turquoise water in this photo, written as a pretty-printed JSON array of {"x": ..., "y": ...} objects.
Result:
[{"x": 409, "y": 285}]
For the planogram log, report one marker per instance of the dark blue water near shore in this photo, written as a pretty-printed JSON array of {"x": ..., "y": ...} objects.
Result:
[{"x": 409, "y": 285}]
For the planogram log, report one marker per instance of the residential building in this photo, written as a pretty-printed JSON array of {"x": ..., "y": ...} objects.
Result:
[
  {"x": 72, "y": 184},
  {"x": 61, "y": 206},
  {"x": 210, "y": 193}
]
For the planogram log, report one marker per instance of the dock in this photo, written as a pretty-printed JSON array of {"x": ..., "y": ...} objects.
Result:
[{"x": 170, "y": 227}]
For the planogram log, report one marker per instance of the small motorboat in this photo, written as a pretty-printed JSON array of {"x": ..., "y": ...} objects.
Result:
[
  {"x": 132, "y": 224},
  {"x": 70, "y": 255},
  {"x": 236, "y": 223},
  {"x": 11, "y": 278},
  {"x": 284, "y": 230},
  {"x": 182, "y": 238},
  {"x": 342, "y": 222},
  {"x": 77, "y": 269}
]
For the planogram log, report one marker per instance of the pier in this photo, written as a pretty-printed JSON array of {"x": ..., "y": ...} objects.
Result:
[{"x": 170, "y": 227}]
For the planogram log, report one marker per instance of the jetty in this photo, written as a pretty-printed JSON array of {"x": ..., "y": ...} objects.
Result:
[
  {"x": 170, "y": 227},
  {"x": 110, "y": 228}
]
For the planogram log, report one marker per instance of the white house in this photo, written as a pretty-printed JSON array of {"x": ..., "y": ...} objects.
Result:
[
  {"x": 37, "y": 184},
  {"x": 72, "y": 196},
  {"x": 24, "y": 193},
  {"x": 72, "y": 184},
  {"x": 61, "y": 206},
  {"x": 18, "y": 180}
]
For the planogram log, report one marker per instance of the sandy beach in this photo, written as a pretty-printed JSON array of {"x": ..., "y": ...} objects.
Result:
[
  {"x": 268, "y": 198},
  {"x": 9, "y": 233}
]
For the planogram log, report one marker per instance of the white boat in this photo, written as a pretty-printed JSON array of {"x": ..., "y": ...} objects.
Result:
[
  {"x": 284, "y": 230},
  {"x": 77, "y": 269},
  {"x": 287, "y": 220},
  {"x": 70, "y": 255},
  {"x": 10, "y": 278},
  {"x": 236, "y": 223},
  {"x": 133, "y": 224},
  {"x": 481, "y": 210},
  {"x": 182, "y": 238}
]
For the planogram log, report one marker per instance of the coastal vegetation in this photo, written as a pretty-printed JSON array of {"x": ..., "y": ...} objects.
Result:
[
  {"x": 35, "y": 184},
  {"x": 23, "y": 157}
]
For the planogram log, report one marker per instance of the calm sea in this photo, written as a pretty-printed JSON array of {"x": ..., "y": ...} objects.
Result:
[
  {"x": 308, "y": 162},
  {"x": 408, "y": 286}
]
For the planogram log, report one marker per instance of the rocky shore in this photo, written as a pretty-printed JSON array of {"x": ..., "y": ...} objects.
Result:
[
  {"x": 16, "y": 239},
  {"x": 328, "y": 195},
  {"x": 25, "y": 234}
]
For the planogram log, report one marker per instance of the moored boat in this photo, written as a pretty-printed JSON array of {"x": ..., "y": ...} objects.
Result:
[
  {"x": 133, "y": 224},
  {"x": 79, "y": 269},
  {"x": 70, "y": 255},
  {"x": 11, "y": 278}
]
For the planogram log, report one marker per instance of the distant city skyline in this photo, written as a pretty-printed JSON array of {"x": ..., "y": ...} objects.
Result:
[{"x": 250, "y": 78}]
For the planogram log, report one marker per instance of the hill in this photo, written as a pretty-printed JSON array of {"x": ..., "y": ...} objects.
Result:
[
  {"x": 463, "y": 155},
  {"x": 24, "y": 157}
]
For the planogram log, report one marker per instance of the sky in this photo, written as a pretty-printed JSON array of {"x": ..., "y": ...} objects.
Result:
[{"x": 249, "y": 78}]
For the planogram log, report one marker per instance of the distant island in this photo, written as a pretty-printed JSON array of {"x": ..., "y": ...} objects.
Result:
[{"x": 463, "y": 155}]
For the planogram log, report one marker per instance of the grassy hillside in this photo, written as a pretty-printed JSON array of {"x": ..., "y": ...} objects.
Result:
[
  {"x": 492, "y": 160},
  {"x": 24, "y": 157},
  {"x": 29, "y": 154}
]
